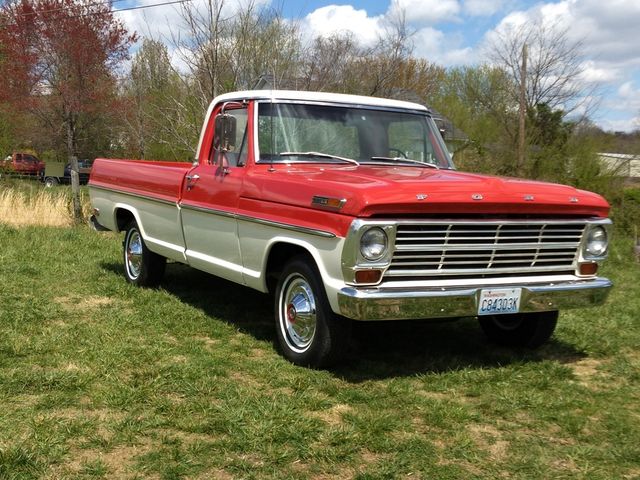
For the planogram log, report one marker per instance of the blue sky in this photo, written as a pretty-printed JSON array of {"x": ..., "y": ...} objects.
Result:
[{"x": 453, "y": 32}]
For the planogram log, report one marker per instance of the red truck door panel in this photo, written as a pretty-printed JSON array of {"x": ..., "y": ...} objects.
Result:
[{"x": 209, "y": 203}]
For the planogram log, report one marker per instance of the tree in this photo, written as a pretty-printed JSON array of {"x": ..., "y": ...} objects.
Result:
[
  {"x": 554, "y": 88},
  {"x": 148, "y": 89},
  {"x": 554, "y": 66},
  {"x": 58, "y": 59}
]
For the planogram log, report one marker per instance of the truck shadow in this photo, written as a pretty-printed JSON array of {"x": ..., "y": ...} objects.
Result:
[{"x": 378, "y": 349}]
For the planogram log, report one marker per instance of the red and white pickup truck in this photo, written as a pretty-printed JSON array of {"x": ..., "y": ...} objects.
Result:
[{"x": 349, "y": 208}]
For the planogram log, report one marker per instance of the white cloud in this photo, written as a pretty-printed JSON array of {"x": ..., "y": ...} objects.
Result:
[
  {"x": 628, "y": 97},
  {"x": 480, "y": 8},
  {"x": 337, "y": 19},
  {"x": 624, "y": 125},
  {"x": 437, "y": 47},
  {"x": 592, "y": 73},
  {"x": 426, "y": 12},
  {"x": 163, "y": 22}
]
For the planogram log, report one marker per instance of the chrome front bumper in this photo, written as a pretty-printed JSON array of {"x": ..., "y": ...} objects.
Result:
[{"x": 401, "y": 304}]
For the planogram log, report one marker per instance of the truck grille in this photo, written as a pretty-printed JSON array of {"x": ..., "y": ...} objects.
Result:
[{"x": 427, "y": 250}]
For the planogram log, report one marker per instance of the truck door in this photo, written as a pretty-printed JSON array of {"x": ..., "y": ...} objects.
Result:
[{"x": 210, "y": 200}]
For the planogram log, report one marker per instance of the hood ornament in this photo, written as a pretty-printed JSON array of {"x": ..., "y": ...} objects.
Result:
[
  {"x": 573, "y": 199},
  {"x": 421, "y": 196},
  {"x": 477, "y": 196},
  {"x": 529, "y": 198}
]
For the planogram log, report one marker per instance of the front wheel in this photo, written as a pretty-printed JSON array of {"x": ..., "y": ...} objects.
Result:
[
  {"x": 142, "y": 267},
  {"x": 520, "y": 329},
  {"x": 308, "y": 331}
]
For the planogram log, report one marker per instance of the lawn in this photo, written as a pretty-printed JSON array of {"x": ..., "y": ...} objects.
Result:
[{"x": 99, "y": 379}]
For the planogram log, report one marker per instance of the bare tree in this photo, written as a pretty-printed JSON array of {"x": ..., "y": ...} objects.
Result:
[{"x": 554, "y": 66}]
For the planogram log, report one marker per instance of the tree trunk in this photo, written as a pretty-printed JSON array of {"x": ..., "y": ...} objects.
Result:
[
  {"x": 522, "y": 112},
  {"x": 75, "y": 178}
]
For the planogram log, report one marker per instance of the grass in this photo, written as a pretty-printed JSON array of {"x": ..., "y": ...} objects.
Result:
[
  {"x": 29, "y": 203},
  {"x": 99, "y": 379}
]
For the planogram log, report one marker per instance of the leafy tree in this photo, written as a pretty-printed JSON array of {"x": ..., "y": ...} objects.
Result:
[{"x": 58, "y": 59}]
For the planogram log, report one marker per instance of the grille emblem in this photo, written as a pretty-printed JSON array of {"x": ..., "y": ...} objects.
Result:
[
  {"x": 529, "y": 198},
  {"x": 421, "y": 196},
  {"x": 477, "y": 196}
]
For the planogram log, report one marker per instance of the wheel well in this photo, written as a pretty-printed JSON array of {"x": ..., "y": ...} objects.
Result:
[
  {"x": 123, "y": 218},
  {"x": 279, "y": 255}
]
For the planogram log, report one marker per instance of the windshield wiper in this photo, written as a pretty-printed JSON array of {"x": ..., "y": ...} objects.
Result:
[
  {"x": 406, "y": 160},
  {"x": 319, "y": 155}
]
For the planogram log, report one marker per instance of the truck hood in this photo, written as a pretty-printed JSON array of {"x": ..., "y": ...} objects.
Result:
[{"x": 392, "y": 190}]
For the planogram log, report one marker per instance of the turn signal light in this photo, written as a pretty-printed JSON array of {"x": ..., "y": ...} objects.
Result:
[
  {"x": 588, "y": 268},
  {"x": 368, "y": 276}
]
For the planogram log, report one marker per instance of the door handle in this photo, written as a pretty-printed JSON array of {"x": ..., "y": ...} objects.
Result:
[{"x": 191, "y": 180}]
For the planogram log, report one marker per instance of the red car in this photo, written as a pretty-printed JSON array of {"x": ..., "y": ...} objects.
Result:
[{"x": 22, "y": 164}]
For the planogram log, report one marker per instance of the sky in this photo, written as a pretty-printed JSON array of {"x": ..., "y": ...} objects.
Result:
[{"x": 455, "y": 33}]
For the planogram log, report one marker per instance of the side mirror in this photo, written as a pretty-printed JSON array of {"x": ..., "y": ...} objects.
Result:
[{"x": 225, "y": 132}]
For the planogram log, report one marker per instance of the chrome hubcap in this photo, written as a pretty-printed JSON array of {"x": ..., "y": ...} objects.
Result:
[
  {"x": 133, "y": 253},
  {"x": 297, "y": 313}
]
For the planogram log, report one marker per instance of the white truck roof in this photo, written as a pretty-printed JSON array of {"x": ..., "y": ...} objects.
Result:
[{"x": 323, "y": 97}]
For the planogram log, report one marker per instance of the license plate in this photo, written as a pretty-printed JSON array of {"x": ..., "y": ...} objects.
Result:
[{"x": 496, "y": 301}]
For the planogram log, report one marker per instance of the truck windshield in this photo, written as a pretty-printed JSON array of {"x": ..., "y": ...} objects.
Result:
[{"x": 304, "y": 133}]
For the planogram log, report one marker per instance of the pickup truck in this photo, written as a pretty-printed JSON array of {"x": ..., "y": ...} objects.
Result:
[
  {"x": 349, "y": 208},
  {"x": 21, "y": 164}
]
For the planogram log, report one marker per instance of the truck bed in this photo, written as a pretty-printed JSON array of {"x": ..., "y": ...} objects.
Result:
[{"x": 161, "y": 180}]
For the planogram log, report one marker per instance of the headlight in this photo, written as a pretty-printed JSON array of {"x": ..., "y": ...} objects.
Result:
[
  {"x": 373, "y": 244},
  {"x": 597, "y": 242}
]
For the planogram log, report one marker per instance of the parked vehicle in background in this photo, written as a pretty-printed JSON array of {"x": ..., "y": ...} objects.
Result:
[
  {"x": 22, "y": 164},
  {"x": 57, "y": 173},
  {"x": 349, "y": 208}
]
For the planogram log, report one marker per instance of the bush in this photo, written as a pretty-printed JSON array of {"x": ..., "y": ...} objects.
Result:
[{"x": 626, "y": 212}]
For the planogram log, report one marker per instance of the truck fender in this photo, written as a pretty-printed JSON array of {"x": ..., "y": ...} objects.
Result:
[{"x": 302, "y": 246}]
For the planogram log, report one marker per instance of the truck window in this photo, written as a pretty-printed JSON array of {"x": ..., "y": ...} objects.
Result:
[{"x": 304, "y": 128}]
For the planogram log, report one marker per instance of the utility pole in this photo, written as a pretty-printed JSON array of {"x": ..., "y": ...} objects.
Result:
[{"x": 523, "y": 110}]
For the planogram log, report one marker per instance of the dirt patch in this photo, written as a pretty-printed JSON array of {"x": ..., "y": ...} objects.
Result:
[
  {"x": 586, "y": 369},
  {"x": 334, "y": 415},
  {"x": 119, "y": 461},
  {"x": 246, "y": 380},
  {"x": 565, "y": 464},
  {"x": 257, "y": 353},
  {"x": 489, "y": 438},
  {"x": 434, "y": 395},
  {"x": 216, "y": 473},
  {"x": 189, "y": 438},
  {"x": 92, "y": 302}
]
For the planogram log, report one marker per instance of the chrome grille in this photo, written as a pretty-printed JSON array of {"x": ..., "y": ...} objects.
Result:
[{"x": 474, "y": 249}]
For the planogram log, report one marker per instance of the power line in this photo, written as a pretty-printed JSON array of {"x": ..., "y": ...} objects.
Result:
[{"x": 139, "y": 7}]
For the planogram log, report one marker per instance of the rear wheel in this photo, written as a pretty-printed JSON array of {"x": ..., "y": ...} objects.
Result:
[
  {"x": 142, "y": 267},
  {"x": 308, "y": 331},
  {"x": 520, "y": 329}
]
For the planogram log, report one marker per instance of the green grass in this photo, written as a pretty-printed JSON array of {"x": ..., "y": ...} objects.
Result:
[{"x": 99, "y": 379}]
